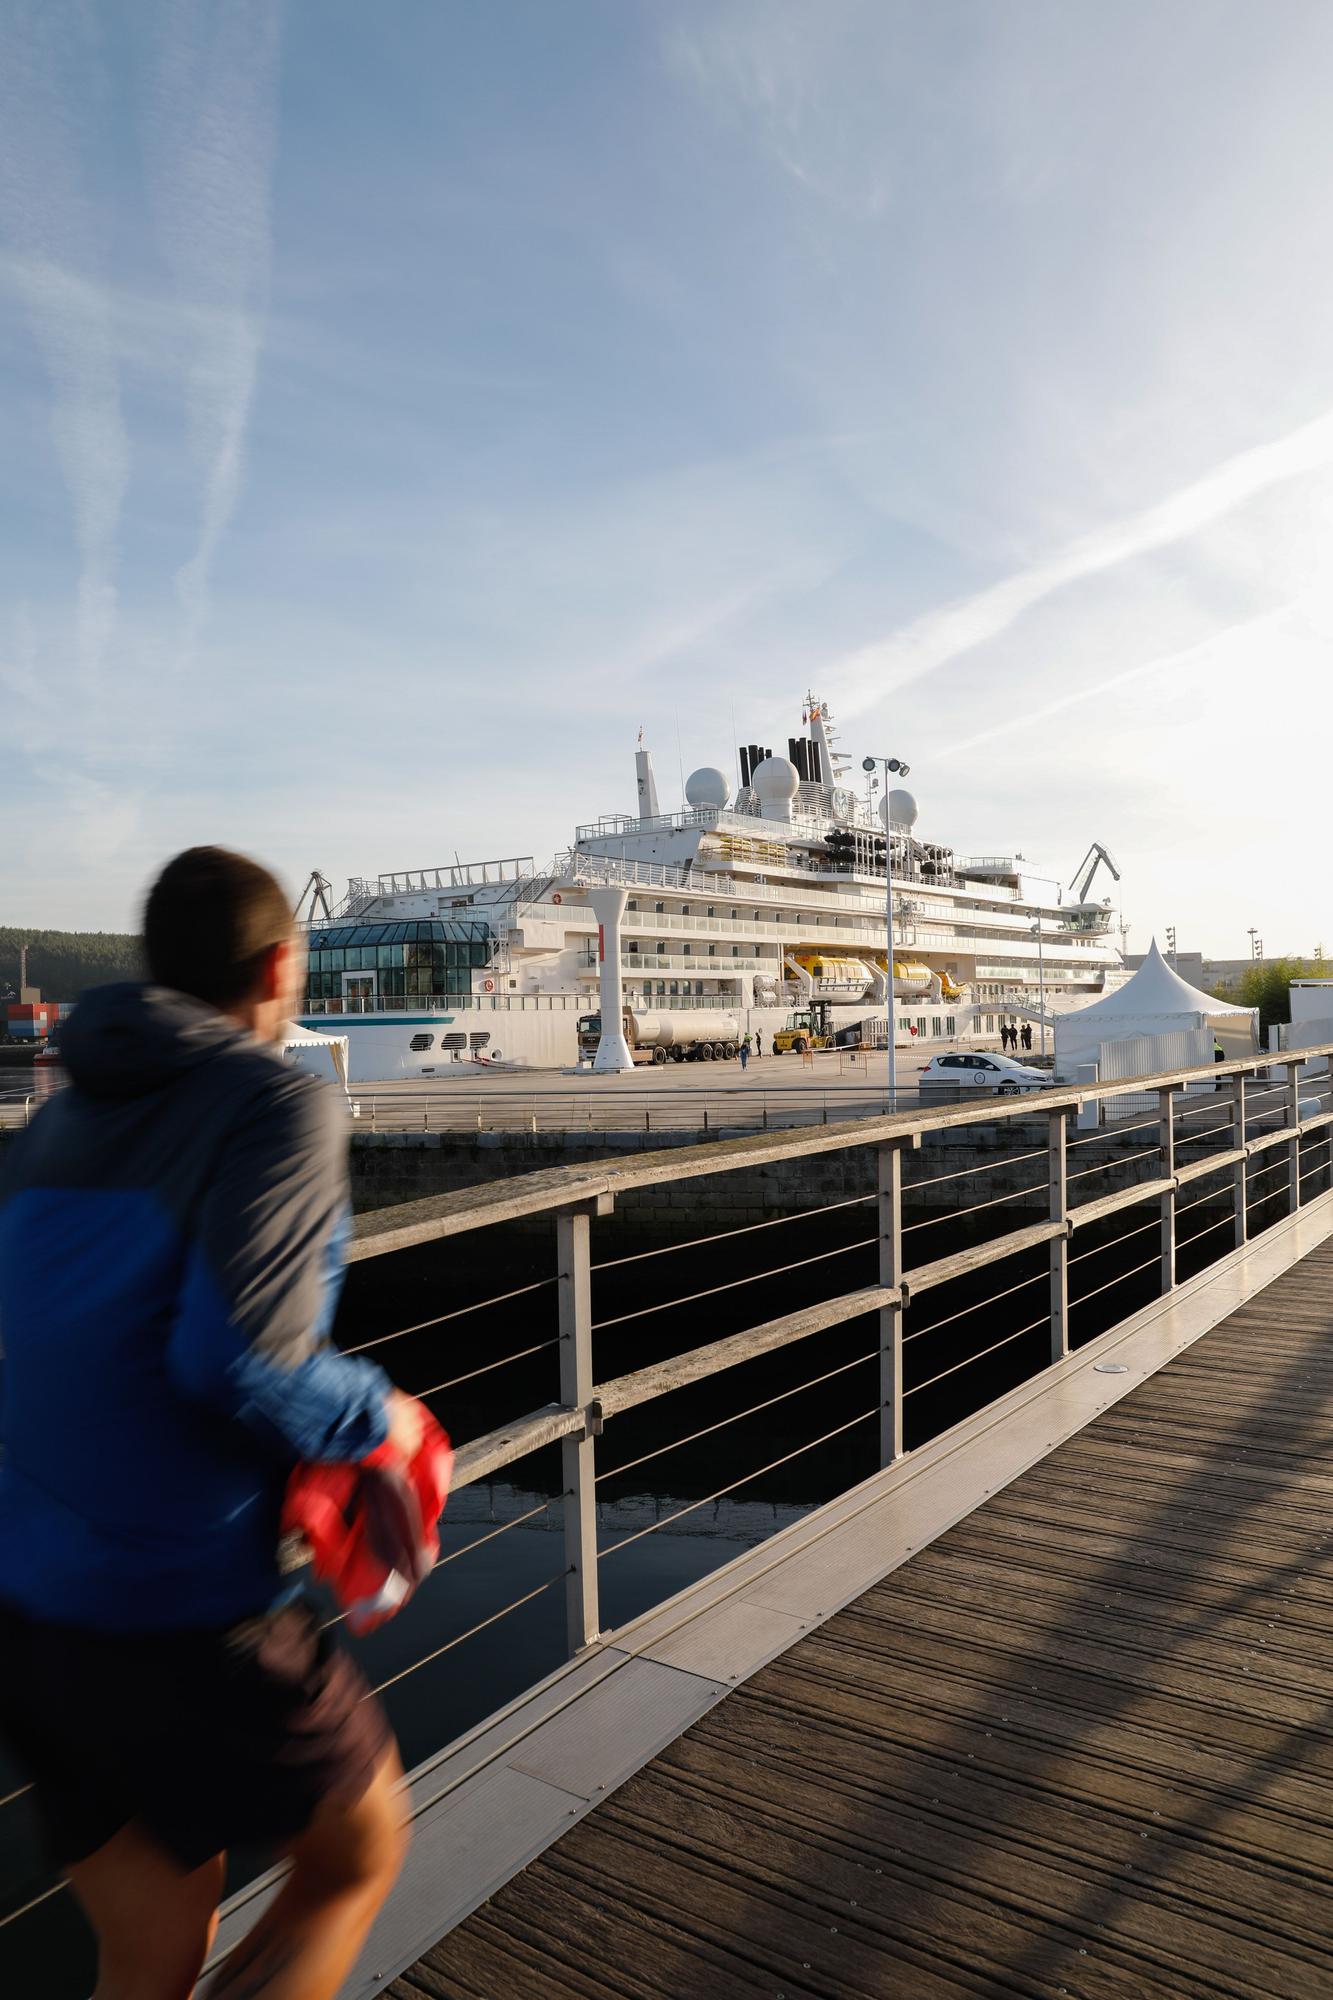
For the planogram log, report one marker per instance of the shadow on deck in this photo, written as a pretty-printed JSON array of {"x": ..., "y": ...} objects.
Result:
[{"x": 1081, "y": 1744}]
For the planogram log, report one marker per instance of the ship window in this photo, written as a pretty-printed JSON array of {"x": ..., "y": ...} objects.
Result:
[
  {"x": 660, "y": 946},
  {"x": 711, "y": 911},
  {"x": 687, "y": 949},
  {"x": 712, "y": 951},
  {"x": 633, "y": 903},
  {"x": 631, "y": 944},
  {"x": 735, "y": 951},
  {"x": 420, "y": 1043},
  {"x": 735, "y": 916},
  {"x": 659, "y": 908},
  {"x": 684, "y": 909}
]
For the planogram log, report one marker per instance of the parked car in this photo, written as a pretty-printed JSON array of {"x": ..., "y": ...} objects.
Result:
[{"x": 1000, "y": 1075}]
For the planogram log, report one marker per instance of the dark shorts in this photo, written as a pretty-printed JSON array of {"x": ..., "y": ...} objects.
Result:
[{"x": 208, "y": 1739}]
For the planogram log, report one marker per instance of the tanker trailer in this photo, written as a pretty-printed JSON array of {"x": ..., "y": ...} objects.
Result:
[{"x": 688, "y": 1035}]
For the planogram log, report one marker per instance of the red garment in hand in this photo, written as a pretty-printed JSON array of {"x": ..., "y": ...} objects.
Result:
[{"x": 371, "y": 1527}]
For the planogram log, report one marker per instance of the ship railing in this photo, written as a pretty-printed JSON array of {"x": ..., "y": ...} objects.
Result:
[
  {"x": 443, "y": 1003},
  {"x": 930, "y": 1289},
  {"x": 456, "y": 875}
]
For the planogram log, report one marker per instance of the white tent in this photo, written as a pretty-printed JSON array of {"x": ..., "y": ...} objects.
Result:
[
  {"x": 1156, "y": 1001},
  {"x": 295, "y": 1040}
]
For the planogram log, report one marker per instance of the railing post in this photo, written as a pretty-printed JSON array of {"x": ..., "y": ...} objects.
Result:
[
  {"x": 1294, "y": 1121},
  {"x": 1166, "y": 1139},
  {"x": 1242, "y": 1165},
  {"x": 577, "y": 1454},
  {"x": 889, "y": 1185},
  {"x": 1059, "y": 1212}
]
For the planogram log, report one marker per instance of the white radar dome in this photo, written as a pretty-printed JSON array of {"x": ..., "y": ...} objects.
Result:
[
  {"x": 707, "y": 787},
  {"x": 776, "y": 778},
  {"x": 903, "y": 809}
]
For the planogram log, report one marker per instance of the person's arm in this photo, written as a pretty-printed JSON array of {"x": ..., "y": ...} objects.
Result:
[{"x": 262, "y": 1280}]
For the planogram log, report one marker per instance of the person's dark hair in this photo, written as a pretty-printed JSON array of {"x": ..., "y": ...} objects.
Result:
[{"x": 210, "y": 918}]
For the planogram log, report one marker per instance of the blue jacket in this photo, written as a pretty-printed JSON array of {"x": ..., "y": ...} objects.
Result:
[{"x": 171, "y": 1230}]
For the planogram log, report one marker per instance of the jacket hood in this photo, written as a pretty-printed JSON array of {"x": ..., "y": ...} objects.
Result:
[{"x": 125, "y": 1040}]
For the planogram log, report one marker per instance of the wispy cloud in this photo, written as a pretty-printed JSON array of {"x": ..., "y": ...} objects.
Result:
[
  {"x": 860, "y": 679},
  {"x": 1163, "y": 667},
  {"x": 46, "y": 219},
  {"x": 208, "y": 141}
]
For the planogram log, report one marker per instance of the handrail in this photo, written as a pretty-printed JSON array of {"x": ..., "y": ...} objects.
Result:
[{"x": 453, "y": 1214}]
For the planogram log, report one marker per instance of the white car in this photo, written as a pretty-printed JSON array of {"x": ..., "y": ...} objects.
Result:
[{"x": 1000, "y": 1075}]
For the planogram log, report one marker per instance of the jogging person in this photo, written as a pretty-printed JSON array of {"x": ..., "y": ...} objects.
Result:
[{"x": 170, "y": 1259}]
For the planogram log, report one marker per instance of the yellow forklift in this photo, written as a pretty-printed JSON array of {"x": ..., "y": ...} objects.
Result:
[{"x": 808, "y": 1028}]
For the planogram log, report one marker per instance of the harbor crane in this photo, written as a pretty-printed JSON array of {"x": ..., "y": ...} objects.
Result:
[
  {"x": 1084, "y": 913},
  {"x": 317, "y": 891}
]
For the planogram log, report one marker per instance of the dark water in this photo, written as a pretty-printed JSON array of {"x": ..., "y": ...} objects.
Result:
[{"x": 48, "y": 1951}]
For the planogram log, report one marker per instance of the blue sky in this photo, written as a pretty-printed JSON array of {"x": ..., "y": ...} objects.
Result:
[{"x": 402, "y": 405}]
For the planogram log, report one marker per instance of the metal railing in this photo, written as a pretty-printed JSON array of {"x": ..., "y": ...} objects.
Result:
[
  {"x": 575, "y": 1198},
  {"x": 1259, "y": 1149},
  {"x": 728, "y": 1106}
]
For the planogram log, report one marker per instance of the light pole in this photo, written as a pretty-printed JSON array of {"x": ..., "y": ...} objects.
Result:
[
  {"x": 898, "y": 769},
  {"x": 1041, "y": 982}
]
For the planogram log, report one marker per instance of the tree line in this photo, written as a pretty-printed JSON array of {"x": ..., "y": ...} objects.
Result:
[
  {"x": 1267, "y": 986},
  {"x": 64, "y": 963}
]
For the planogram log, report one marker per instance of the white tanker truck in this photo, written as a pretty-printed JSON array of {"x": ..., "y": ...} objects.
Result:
[{"x": 701, "y": 1036}]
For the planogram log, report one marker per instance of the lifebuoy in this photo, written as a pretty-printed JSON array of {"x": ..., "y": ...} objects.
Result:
[
  {"x": 557, "y": 898},
  {"x": 488, "y": 986}
]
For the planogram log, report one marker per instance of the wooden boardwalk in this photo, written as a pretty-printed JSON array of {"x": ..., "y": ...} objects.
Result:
[{"x": 1080, "y": 1745}]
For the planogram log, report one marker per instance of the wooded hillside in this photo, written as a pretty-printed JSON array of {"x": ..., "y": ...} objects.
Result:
[{"x": 63, "y": 963}]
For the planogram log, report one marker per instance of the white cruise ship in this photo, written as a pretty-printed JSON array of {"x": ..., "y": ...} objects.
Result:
[{"x": 755, "y": 908}]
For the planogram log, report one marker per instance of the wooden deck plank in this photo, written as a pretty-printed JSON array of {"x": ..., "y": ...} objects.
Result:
[{"x": 1080, "y": 1745}]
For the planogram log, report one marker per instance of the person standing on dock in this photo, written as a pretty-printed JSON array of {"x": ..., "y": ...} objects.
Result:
[
  {"x": 1027, "y": 1034},
  {"x": 745, "y": 1052},
  {"x": 758, "y": 1042},
  {"x": 171, "y": 1231}
]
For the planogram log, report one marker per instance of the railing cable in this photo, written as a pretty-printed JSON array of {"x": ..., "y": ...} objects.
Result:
[
  {"x": 678, "y": 1443},
  {"x": 521, "y": 1355},
  {"x": 13, "y": 1916},
  {"x": 494, "y": 1619},
  {"x": 1100, "y": 1249},
  {"x": 980, "y": 1305},
  {"x": 994, "y": 1349},
  {"x": 952, "y": 1214},
  {"x": 722, "y": 1491},
  {"x": 731, "y": 1284},
  {"x": 725, "y": 1235},
  {"x": 1119, "y": 1279},
  {"x": 459, "y": 1312}
]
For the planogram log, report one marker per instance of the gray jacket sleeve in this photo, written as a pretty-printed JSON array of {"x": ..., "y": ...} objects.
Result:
[{"x": 262, "y": 1277}]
